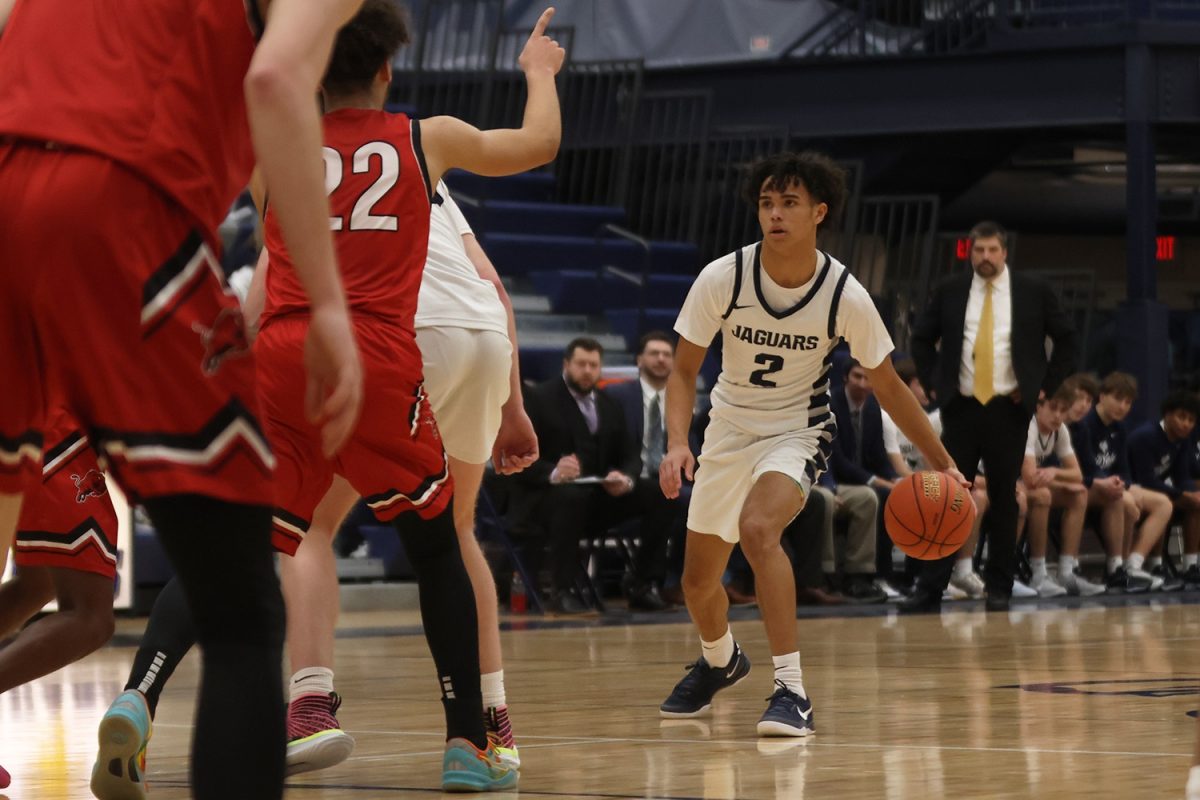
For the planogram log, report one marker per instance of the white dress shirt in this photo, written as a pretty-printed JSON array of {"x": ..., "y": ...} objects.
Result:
[{"x": 1004, "y": 377}]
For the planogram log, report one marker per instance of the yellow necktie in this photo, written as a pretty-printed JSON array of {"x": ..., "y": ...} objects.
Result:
[{"x": 984, "y": 387}]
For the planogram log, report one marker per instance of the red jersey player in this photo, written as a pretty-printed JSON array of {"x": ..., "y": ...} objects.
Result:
[
  {"x": 380, "y": 170},
  {"x": 126, "y": 130}
]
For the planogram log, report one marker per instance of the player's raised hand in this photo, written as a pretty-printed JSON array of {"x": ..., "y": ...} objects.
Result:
[
  {"x": 541, "y": 53},
  {"x": 334, "y": 394},
  {"x": 677, "y": 460}
]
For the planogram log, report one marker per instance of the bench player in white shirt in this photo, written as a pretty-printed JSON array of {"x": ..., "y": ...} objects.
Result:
[
  {"x": 781, "y": 307},
  {"x": 1055, "y": 485},
  {"x": 965, "y": 582}
]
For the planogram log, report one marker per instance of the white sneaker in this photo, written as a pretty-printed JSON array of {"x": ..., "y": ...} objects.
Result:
[
  {"x": 887, "y": 589},
  {"x": 952, "y": 592},
  {"x": 1156, "y": 582},
  {"x": 1046, "y": 586},
  {"x": 1021, "y": 590},
  {"x": 1080, "y": 586},
  {"x": 970, "y": 585}
]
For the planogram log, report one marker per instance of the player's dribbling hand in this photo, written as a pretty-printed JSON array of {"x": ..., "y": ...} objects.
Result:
[
  {"x": 541, "y": 52},
  {"x": 516, "y": 446},
  {"x": 958, "y": 477},
  {"x": 334, "y": 393},
  {"x": 677, "y": 459}
]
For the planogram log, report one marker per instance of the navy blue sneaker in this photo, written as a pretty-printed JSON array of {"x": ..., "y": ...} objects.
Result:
[
  {"x": 788, "y": 714},
  {"x": 693, "y": 695}
]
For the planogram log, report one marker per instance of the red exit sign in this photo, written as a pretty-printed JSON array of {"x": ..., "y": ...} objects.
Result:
[
  {"x": 1164, "y": 248},
  {"x": 962, "y": 248}
]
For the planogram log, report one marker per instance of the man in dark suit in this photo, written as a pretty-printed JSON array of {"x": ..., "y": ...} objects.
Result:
[
  {"x": 860, "y": 464},
  {"x": 661, "y": 518},
  {"x": 992, "y": 325},
  {"x": 587, "y": 462}
]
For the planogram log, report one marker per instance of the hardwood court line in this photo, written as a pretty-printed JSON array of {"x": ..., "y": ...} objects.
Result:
[
  {"x": 808, "y": 742},
  {"x": 515, "y": 795}
]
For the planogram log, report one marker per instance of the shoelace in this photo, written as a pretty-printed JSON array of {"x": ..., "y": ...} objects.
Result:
[
  {"x": 499, "y": 729},
  {"x": 783, "y": 691},
  {"x": 312, "y": 713}
]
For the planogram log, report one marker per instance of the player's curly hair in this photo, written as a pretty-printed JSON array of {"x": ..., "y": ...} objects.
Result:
[
  {"x": 820, "y": 176},
  {"x": 366, "y": 43}
]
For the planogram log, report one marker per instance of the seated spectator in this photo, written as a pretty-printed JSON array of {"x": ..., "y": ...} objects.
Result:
[
  {"x": 859, "y": 462},
  {"x": 1053, "y": 479},
  {"x": 858, "y": 506},
  {"x": 1109, "y": 481},
  {"x": 1159, "y": 461},
  {"x": 806, "y": 537},
  {"x": 965, "y": 582},
  {"x": 587, "y": 463},
  {"x": 641, "y": 403}
]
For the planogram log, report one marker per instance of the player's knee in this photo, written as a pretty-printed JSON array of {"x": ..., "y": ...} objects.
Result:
[
  {"x": 91, "y": 616},
  {"x": 697, "y": 584},
  {"x": 427, "y": 540},
  {"x": 759, "y": 535},
  {"x": 1039, "y": 496},
  {"x": 1077, "y": 501}
]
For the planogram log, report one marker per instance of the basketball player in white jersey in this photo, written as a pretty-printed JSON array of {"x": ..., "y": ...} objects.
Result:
[
  {"x": 781, "y": 307},
  {"x": 1053, "y": 479},
  {"x": 466, "y": 333}
]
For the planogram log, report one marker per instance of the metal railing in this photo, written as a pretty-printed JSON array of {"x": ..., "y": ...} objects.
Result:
[
  {"x": 881, "y": 28},
  {"x": 891, "y": 252},
  {"x": 599, "y": 106},
  {"x": 667, "y": 157}
]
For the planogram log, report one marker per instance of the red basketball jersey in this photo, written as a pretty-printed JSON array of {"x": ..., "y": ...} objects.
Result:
[
  {"x": 155, "y": 85},
  {"x": 379, "y": 198}
]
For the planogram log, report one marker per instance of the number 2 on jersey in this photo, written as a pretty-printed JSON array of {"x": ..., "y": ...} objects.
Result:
[
  {"x": 361, "y": 218},
  {"x": 771, "y": 364}
]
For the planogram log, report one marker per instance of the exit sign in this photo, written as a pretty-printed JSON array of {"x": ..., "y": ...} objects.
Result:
[
  {"x": 1164, "y": 248},
  {"x": 962, "y": 248}
]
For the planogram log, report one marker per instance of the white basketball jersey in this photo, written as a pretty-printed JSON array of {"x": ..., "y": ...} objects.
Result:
[
  {"x": 452, "y": 293},
  {"x": 1057, "y": 443},
  {"x": 775, "y": 363}
]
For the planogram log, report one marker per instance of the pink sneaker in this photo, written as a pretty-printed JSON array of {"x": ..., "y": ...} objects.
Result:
[
  {"x": 315, "y": 739},
  {"x": 500, "y": 735}
]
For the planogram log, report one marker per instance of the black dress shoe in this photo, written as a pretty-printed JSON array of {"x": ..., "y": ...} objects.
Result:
[
  {"x": 645, "y": 597},
  {"x": 812, "y": 596},
  {"x": 566, "y": 603},
  {"x": 862, "y": 589},
  {"x": 997, "y": 602},
  {"x": 921, "y": 601}
]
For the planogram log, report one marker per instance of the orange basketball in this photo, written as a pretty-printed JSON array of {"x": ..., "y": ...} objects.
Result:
[{"x": 929, "y": 515}]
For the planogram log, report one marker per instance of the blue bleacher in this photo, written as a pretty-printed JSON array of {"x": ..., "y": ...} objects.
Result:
[
  {"x": 549, "y": 219},
  {"x": 624, "y": 321},
  {"x": 530, "y": 187},
  {"x": 521, "y": 253}
]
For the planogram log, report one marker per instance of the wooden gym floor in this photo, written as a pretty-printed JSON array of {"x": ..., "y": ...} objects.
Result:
[{"x": 1093, "y": 701}]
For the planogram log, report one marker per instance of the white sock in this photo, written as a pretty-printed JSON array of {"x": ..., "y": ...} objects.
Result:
[
  {"x": 1039, "y": 568},
  {"x": 1114, "y": 564},
  {"x": 492, "y": 684},
  {"x": 1193, "y": 784},
  {"x": 1136, "y": 561},
  {"x": 962, "y": 568},
  {"x": 718, "y": 653},
  {"x": 1066, "y": 565},
  {"x": 1190, "y": 560},
  {"x": 310, "y": 680},
  {"x": 788, "y": 672}
]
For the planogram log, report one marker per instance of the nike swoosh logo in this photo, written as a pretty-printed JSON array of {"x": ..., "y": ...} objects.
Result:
[
  {"x": 736, "y": 307},
  {"x": 806, "y": 715},
  {"x": 731, "y": 673}
]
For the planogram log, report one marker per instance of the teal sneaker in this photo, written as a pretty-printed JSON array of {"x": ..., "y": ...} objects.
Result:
[
  {"x": 120, "y": 769},
  {"x": 466, "y": 768}
]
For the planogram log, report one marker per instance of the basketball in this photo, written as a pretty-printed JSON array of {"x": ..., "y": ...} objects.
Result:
[{"x": 929, "y": 515}]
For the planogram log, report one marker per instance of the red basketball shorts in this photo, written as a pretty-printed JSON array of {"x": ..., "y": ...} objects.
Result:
[
  {"x": 112, "y": 305},
  {"x": 394, "y": 459},
  {"x": 68, "y": 521}
]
